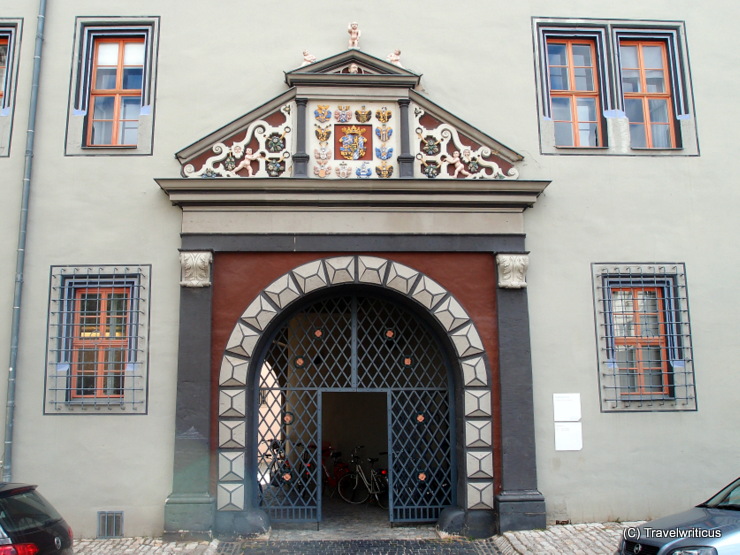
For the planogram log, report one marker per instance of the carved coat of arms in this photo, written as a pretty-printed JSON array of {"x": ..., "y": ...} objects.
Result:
[
  {"x": 363, "y": 115},
  {"x": 322, "y": 113},
  {"x": 343, "y": 114},
  {"x": 384, "y": 133},
  {"x": 353, "y": 145}
]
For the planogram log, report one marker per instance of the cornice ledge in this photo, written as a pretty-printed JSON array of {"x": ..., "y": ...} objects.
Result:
[{"x": 371, "y": 192}]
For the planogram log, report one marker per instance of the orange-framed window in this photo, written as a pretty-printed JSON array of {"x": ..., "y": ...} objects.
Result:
[
  {"x": 640, "y": 342},
  {"x": 574, "y": 92},
  {"x": 100, "y": 341},
  {"x": 115, "y": 93},
  {"x": 3, "y": 65},
  {"x": 646, "y": 87}
]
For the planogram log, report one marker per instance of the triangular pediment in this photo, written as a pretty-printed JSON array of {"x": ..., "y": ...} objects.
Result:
[
  {"x": 350, "y": 116},
  {"x": 352, "y": 67}
]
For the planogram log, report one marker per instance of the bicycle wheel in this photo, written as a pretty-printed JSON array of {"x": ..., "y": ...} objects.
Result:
[
  {"x": 382, "y": 496},
  {"x": 352, "y": 489}
]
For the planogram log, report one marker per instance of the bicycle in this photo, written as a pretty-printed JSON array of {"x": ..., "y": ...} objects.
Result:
[
  {"x": 357, "y": 487},
  {"x": 339, "y": 468}
]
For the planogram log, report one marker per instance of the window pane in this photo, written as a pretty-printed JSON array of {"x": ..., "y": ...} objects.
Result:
[
  {"x": 117, "y": 307},
  {"x": 627, "y": 370},
  {"x": 588, "y": 134},
  {"x": 633, "y": 108},
  {"x": 559, "y": 78},
  {"x": 131, "y": 107},
  {"x": 129, "y": 132},
  {"x": 132, "y": 78},
  {"x": 637, "y": 136},
  {"x": 658, "y": 110},
  {"x": 661, "y": 135},
  {"x": 105, "y": 78},
  {"x": 107, "y": 54},
  {"x": 104, "y": 107},
  {"x": 630, "y": 80},
  {"x": 584, "y": 79},
  {"x": 561, "y": 108},
  {"x": 113, "y": 378},
  {"x": 582, "y": 55},
  {"x": 628, "y": 55},
  {"x": 89, "y": 314},
  {"x": 652, "y": 56},
  {"x": 586, "y": 108},
  {"x": 133, "y": 54},
  {"x": 556, "y": 54},
  {"x": 102, "y": 133},
  {"x": 654, "y": 81},
  {"x": 563, "y": 134},
  {"x": 3, "y": 65},
  {"x": 623, "y": 325}
]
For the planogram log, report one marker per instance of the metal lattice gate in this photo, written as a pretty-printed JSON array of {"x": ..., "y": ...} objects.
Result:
[{"x": 354, "y": 343}]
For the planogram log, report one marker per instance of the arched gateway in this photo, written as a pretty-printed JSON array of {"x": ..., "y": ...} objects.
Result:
[{"x": 355, "y": 324}]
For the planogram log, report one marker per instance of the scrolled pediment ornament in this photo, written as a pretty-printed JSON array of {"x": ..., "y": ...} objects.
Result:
[
  {"x": 261, "y": 152},
  {"x": 441, "y": 147}
]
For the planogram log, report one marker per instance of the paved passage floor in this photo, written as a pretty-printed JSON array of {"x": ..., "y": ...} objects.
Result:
[{"x": 365, "y": 530}]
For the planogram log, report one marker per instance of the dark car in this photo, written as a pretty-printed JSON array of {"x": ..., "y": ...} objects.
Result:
[
  {"x": 712, "y": 528},
  {"x": 29, "y": 525}
]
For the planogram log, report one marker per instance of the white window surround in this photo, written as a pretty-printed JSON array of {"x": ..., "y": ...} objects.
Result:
[
  {"x": 87, "y": 31},
  {"x": 10, "y": 29},
  {"x": 606, "y": 35}
]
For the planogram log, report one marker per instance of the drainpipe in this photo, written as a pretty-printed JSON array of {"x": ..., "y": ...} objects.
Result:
[{"x": 21, "y": 253}]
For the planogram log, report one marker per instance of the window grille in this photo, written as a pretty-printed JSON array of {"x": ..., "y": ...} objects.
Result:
[
  {"x": 97, "y": 339},
  {"x": 644, "y": 337},
  {"x": 110, "y": 524}
]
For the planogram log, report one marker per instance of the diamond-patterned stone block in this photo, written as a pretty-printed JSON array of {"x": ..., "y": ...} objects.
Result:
[
  {"x": 480, "y": 495},
  {"x": 450, "y": 314},
  {"x": 231, "y": 466},
  {"x": 428, "y": 292},
  {"x": 232, "y": 402},
  {"x": 242, "y": 340},
  {"x": 232, "y": 434},
  {"x": 230, "y": 497},
  {"x": 401, "y": 278},
  {"x": 233, "y": 372},
  {"x": 282, "y": 291},
  {"x": 259, "y": 313},
  {"x": 474, "y": 372},
  {"x": 310, "y": 276},
  {"x": 467, "y": 341},
  {"x": 480, "y": 464},
  {"x": 340, "y": 269},
  {"x": 478, "y": 433},
  {"x": 371, "y": 269},
  {"x": 477, "y": 403}
]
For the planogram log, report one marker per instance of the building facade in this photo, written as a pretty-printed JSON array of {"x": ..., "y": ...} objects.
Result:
[{"x": 463, "y": 239}]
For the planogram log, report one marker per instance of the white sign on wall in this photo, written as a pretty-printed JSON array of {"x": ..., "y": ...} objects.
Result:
[{"x": 567, "y": 416}]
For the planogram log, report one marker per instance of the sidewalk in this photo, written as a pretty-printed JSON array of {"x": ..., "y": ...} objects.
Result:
[{"x": 571, "y": 539}]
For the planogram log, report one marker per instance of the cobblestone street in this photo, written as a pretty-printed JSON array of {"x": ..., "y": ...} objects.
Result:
[{"x": 573, "y": 539}]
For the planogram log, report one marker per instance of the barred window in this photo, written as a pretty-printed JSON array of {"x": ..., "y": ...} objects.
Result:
[
  {"x": 644, "y": 337},
  {"x": 97, "y": 339}
]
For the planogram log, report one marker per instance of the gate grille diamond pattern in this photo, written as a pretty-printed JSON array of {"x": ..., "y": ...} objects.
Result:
[
  {"x": 421, "y": 470},
  {"x": 354, "y": 343}
]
